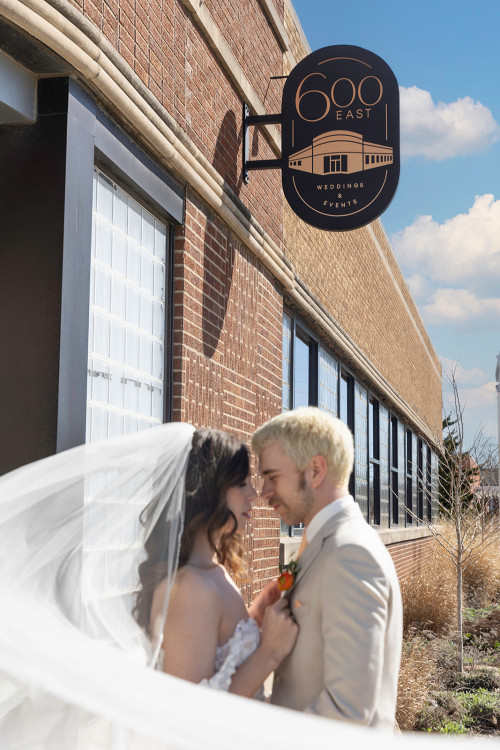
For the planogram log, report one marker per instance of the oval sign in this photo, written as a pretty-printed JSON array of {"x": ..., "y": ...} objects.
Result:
[{"x": 340, "y": 137}]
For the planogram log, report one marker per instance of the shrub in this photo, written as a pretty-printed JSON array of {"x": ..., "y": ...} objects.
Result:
[
  {"x": 482, "y": 576},
  {"x": 479, "y": 680},
  {"x": 454, "y": 727},
  {"x": 415, "y": 679},
  {"x": 429, "y": 594}
]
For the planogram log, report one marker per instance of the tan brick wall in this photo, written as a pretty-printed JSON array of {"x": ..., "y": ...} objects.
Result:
[
  {"x": 350, "y": 280},
  {"x": 347, "y": 274},
  {"x": 296, "y": 45}
]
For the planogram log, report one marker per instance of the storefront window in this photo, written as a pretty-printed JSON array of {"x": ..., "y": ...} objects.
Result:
[
  {"x": 361, "y": 447},
  {"x": 328, "y": 377},
  {"x": 125, "y": 391}
]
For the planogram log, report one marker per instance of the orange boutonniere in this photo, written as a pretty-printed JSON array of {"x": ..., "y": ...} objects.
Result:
[{"x": 286, "y": 579}]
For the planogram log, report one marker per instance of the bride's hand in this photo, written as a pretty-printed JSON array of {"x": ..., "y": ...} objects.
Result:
[
  {"x": 279, "y": 631},
  {"x": 264, "y": 599}
]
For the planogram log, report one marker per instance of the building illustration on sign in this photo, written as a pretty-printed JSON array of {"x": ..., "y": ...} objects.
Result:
[{"x": 340, "y": 151}]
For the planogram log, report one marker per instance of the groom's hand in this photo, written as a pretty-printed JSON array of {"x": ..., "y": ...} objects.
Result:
[{"x": 264, "y": 599}]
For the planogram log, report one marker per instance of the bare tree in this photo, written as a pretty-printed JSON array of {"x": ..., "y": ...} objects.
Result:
[{"x": 470, "y": 512}]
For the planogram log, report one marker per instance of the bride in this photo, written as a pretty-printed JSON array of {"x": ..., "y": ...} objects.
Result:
[
  {"x": 92, "y": 600},
  {"x": 208, "y": 635},
  {"x": 76, "y": 668}
]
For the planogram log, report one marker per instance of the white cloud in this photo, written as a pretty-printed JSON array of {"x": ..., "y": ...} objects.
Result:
[
  {"x": 462, "y": 375},
  {"x": 452, "y": 306},
  {"x": 462, "y": 250},
  {"x": 478, "y": 399},
  {"x": 417, "y": 285},
  {"x": 440, "y": 131},
  {"x": 480, "y": 411}
]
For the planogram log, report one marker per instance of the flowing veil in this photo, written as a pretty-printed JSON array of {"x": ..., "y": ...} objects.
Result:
[
  {"x": 76, "y": 671},
  {"x": 71, "y": 541}
]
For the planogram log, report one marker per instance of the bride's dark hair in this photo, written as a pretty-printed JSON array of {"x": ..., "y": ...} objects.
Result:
[{"x": 217, "y": 461}]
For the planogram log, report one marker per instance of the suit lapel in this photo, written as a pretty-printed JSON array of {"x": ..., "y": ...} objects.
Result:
[{"x": 313, "y": 549}]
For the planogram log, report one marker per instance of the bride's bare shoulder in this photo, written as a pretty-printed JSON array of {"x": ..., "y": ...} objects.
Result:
[
  {"x": 191, "y": 583},
  {"x": 191, "y": 594},
  {"x": 195, "y": 578}
]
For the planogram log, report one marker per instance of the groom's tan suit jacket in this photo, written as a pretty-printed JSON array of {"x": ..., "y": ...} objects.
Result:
[{"x": 347, "y": 603}]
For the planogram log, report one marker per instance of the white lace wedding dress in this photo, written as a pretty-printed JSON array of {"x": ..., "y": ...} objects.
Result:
[{"x": 231, "y": 655}]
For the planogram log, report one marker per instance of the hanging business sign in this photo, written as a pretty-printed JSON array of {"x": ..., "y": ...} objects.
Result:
[{"x": 340, "y": 137}]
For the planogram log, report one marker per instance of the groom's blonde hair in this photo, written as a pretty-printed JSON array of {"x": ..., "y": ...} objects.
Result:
[{"x": 307, "y": 432}]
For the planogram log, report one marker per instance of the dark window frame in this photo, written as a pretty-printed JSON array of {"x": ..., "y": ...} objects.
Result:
[
  {"x": 403, "y": 476},
  {"x": 374, "y": 461},
  {"x": 409, "y": 476},
  {"x": 394, "y": 471},
  {"x": 420, "y": 481},
  {"x": 94, "y": 139},
  {"x": 428, "y": 486}
]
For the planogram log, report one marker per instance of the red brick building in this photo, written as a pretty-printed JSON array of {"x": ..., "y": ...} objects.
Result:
[{"x": 142, "y": 280}]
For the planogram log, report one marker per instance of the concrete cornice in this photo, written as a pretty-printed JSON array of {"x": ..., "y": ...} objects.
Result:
[
  {"x": 67, "y": 33},
  {"x": 63, "y": 29},
  {"x": 395, "y": 535},
  {"x": 269, "y": 9}
]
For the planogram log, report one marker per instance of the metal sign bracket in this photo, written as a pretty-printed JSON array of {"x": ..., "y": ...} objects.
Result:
[{"x": 249, "y": 120}]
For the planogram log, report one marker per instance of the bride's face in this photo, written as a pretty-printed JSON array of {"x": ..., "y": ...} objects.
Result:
[{"x": 239, "y": 501}]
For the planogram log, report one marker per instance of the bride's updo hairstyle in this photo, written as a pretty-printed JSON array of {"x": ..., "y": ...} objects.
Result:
[{"x": 217, "y": 461}]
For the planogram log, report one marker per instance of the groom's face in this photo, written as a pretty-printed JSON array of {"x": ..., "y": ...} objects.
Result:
[{"x": 285, "y": 488}]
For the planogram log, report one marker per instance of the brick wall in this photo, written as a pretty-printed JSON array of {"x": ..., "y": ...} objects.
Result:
[
  {"x": 227, "y": 307},
  {"x": 227, "y": 349},
  {"x": 247, "y": 32},
  {"x": 163, "y": 45},
  {"x": 410, "y": 555}
]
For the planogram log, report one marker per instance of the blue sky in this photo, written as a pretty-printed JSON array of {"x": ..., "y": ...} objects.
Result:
[{"x": 444, "y": 221}]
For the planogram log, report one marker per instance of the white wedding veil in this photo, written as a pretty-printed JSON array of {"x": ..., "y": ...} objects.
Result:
[
  {"x": 76, "y": 671},
  {"x": 72, "y": 534}
]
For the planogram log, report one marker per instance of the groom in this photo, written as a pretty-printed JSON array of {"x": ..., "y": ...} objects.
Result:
[{"x": 346, "y": 597}]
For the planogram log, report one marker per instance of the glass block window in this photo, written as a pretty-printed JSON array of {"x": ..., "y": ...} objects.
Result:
[
  {"x": 374, "y": 467},
  {"x": 125, "y": 391},
  {"x": 301, "y": 372},
  {"x": 427, "y": 484},
  {"x": 384, "y": 465},
  {"x": 344, "y": 401},
  {"x": 401, "y": 469},
  {"x": 414, "y": 500},
  {"x": 394, "y": 488},
  {"x": 328, "y": 381},
  {"x": 361, "y": 447},
  {"x": 420, "y": 480},
  {"x": 287, "y": 363},
  {"x": 434, "y": 486}
]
